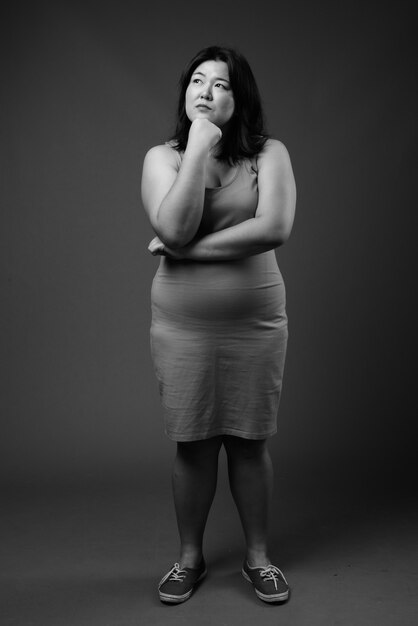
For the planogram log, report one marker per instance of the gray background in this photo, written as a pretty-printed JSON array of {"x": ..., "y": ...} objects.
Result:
[
  {"x": 87, "y": 89},
  {"x": 87, "y": 526}
]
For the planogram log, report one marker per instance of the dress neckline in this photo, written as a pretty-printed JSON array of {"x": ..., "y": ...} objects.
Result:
[
  {"x": 237, "y": 168},
  {"x": 240, "y": 164}
]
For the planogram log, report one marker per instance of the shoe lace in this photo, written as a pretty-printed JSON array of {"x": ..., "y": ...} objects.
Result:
[
  {"x": 271, "y": 573},
  {"x": 176, "y": 573}
]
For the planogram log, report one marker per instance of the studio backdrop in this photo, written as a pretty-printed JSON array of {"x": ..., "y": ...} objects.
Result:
[{"x": 87, "y": 89}]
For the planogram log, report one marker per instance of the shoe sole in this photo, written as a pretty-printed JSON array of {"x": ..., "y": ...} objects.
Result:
[
  {"x": 278, "y": 597},
  {"x": 165, "y": 597}
]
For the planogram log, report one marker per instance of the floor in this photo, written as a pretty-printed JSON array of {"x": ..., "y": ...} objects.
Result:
[{"x": 93, "y": 556}]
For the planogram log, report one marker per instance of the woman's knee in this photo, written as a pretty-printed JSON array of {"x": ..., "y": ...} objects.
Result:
[
  {"x": 246, "y": 449},
  {"x": 198, "y": 451}
]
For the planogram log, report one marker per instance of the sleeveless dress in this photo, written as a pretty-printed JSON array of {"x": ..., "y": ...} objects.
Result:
[{"x": 219, "y": 330}]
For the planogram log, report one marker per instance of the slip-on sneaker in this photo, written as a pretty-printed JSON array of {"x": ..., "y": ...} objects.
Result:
[
  {"x": 178, "y": 584},
  {"x": 269, "y": 582}
]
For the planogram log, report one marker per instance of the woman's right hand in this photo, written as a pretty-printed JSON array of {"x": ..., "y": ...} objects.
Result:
[{"x": 204, "y": 133}]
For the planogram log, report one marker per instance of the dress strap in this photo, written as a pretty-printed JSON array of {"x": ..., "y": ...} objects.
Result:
[{"x": 253, "y": 163}]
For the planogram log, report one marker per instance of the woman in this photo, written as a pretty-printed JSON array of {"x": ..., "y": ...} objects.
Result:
[{"x": 220, "y": 197}]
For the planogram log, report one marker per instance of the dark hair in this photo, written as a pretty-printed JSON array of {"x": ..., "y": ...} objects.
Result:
[{"x": 244, "y": 135}]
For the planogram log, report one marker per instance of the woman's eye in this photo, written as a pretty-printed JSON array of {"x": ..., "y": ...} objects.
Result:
[
  {"x": 220, "y": 85},
  {"x": 196, "y": 80}
]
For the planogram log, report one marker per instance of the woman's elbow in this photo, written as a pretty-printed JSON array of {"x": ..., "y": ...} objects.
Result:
[
  {"x": 174, "y": 236},
  {"x": 174, "y": 239},
  {"x": 283, "y": 236},
  {"x": 283, "y": 231},
  {"x": 276, "y": 237}
]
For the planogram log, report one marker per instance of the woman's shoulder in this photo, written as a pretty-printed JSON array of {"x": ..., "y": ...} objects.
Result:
[
  {"x": 272, "y": 145},
  {"x": 273, "y": 150},
  {"x": 165, "y": 152}
]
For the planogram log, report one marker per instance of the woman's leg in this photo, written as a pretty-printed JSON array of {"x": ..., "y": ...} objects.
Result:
[
  {"x": 251, "y": 480},
  {"x": 195, "y": 475}
]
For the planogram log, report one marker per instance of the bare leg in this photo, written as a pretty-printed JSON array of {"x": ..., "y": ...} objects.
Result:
[
  {"x": 195, "y": 475},
  {"x": 251, "y": 481}
]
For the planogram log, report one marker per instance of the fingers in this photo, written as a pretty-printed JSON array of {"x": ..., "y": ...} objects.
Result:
[{"x": 156, "y": 246}]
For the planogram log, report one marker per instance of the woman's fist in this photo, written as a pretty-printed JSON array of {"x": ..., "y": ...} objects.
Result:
[{"x": 202, "y": 131}]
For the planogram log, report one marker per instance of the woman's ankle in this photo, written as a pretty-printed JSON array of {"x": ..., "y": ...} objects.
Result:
[
  {"x": 257, "y": 557},
  {"x": 190, "y": 557}
]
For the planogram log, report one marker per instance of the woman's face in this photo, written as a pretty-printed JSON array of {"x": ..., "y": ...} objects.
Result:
[{"x": 209, "y": 93}]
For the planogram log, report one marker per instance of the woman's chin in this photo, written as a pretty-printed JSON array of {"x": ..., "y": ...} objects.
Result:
[{"x": 198, "y": 115}]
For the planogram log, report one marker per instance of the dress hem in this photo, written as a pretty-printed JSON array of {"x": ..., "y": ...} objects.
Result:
[{"x": 219, "y": 432}]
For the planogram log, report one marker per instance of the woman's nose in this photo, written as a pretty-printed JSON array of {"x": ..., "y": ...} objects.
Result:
[{"x": 206, "y": 93}]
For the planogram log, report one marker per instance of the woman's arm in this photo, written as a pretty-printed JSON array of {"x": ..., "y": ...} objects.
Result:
[
  {"x": 271, "y": 225},
  {"x": 173, "y": 199}
]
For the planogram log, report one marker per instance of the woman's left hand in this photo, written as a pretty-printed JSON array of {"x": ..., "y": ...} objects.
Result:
[{"x": 156, "y": 247}]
